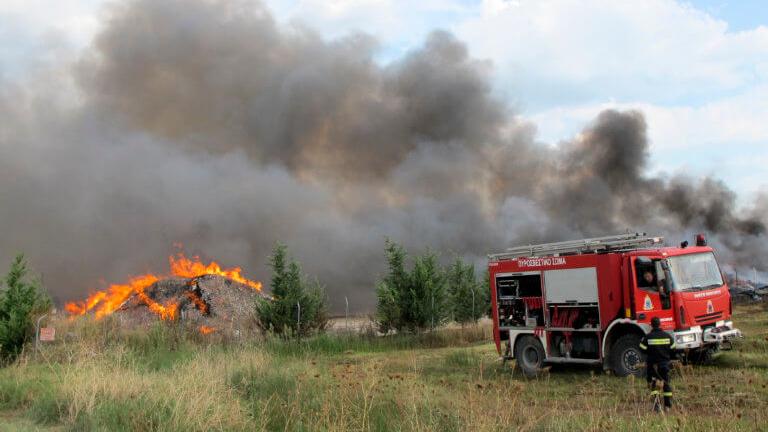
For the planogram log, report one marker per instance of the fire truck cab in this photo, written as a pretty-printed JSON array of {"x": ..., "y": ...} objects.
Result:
[{"x": 590, "y": 301}]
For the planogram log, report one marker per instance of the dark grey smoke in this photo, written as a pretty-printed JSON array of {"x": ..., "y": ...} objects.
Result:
[{"x": 206, "y": 123}]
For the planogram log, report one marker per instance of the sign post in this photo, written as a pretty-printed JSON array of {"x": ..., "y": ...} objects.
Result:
[{"x": 37, "y": 332}]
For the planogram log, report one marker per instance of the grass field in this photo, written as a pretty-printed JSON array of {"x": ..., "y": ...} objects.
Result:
[{"x": 448, "y": 380}]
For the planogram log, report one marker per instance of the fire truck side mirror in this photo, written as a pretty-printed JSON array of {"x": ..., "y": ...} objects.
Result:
[{"x": 667, "y": 276}]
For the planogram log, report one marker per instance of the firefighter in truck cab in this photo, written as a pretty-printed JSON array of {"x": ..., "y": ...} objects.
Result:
[
  {"x": 659, "y": 348},
  {"x": 650, "y": 280}
]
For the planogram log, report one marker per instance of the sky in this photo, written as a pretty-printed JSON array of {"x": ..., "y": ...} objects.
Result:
[{"x": 698, "y": 70}]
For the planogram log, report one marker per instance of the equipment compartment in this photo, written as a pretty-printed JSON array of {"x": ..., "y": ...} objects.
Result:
[
  {"x": 520, "y": 301},
  {"x": 571, "y": 285}
]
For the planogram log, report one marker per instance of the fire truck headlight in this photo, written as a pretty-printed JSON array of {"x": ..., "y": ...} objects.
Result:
[{"x": 685, "y": 338}]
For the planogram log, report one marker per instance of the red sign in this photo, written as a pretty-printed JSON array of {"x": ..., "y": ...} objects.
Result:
[{"x": 47, "y": 334}]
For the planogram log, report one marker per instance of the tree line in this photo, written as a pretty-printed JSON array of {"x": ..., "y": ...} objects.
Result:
[
  {"x": 427, "y": 295},
  {"x": 412, "y": 298},
  {"x": 414, "y": 295}
]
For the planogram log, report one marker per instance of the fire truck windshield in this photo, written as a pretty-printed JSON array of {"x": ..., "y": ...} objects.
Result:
[{"x": 695, "y": 272}]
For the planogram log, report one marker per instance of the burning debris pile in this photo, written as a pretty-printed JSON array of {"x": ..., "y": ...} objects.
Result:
[
  {"x": 211, "y": 298},
  {"x": 211, "y": 302}
]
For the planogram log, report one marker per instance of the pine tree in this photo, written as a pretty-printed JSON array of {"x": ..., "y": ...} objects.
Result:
[
  {"x": 393, "y": 289},
  {"x": 297, "y": 307},
  {"x": 413, "y": 300},
  {"x": 277, "y": 261},
  {"x": 430, "y": 306},
  {"x": 20, "y": 301},
  {"x": 467, "y": 294}
]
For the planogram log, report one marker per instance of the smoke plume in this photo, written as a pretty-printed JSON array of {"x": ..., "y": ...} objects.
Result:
[{"x": 207, "y": 123}]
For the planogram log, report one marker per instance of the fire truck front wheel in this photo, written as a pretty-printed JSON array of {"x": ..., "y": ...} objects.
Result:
[
  {"x": 626, "y": 357},
  {"x": 529, "y": 354}
]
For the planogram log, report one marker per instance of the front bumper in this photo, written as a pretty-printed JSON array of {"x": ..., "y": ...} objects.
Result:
[
  {"x": 695, "y": 337},
  {"x": 721, "y": 333}
]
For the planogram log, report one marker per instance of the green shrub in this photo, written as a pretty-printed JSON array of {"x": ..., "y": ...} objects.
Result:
[
  {"x": 411, "y": 301},
  {"x": 20, "y": 302},
  {"x": 298, "y": 306},
  {"x": 468, "y": 296}
]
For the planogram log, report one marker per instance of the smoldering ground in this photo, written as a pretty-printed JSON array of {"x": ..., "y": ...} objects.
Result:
[{"x": 207, "y": 123}]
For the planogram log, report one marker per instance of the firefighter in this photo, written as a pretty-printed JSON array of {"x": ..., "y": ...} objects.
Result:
[
  {"x": 649, "y": 279},
  {"x": 659, "y": 348}
]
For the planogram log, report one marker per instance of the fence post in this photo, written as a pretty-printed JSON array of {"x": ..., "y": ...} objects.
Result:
[
  {"x": 433, "y": 310},
  {"x": 346, "y": 313},
  {"x": 298, "y": 320},
  {"x": 473, "y": 305},
  {"x": 37, "y": 332}
]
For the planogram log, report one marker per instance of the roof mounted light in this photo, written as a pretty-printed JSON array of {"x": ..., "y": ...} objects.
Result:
[{"x": 701, "y": 240}]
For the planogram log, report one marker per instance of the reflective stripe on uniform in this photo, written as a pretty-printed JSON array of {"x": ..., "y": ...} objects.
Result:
[
  {"x": 663, "y": 341},
  {"x": 668, "y": 394},
  {"x": 643, "y": 346},
  {"x": 673, "y": 345},
  {"x": 654, "y": 392}
]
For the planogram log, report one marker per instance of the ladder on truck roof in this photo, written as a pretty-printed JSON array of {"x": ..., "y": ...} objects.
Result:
[{"x": 629, "y": 241}]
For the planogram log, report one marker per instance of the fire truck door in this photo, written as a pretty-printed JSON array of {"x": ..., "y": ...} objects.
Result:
[{"x": 650, "y": 297}]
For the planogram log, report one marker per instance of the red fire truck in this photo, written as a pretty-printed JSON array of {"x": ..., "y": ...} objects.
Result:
[{"x": 590, "y": 301}]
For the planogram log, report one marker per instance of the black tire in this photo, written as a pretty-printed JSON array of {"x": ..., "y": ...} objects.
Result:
[
  {"x": 529, "y": 355},
  {"x": 626, "y": 357}
]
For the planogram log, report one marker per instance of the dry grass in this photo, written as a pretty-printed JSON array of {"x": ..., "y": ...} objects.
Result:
[{"x": 103, "y": 379}]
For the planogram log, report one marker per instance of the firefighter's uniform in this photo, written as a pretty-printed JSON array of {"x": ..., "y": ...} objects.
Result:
[{"x": 659, "y": 347}]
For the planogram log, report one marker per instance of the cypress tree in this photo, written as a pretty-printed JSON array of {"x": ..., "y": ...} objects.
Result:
[
  {"x": 20, "y": 302},
  {"x": 468, "y": 297},
  {"x": 290, "y": 291},
  {"x": 413, "y": 300}
]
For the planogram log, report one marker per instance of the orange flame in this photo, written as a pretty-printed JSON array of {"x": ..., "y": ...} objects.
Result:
[
  {"x": 201, "y": 305},
  {"x": 103, "y": 303},
  {"x": 167, "y": 312},
  {"x": 188, "y": 268},
  {"x": 107, "y": 301},
  {"x": 204, "y": 329}
]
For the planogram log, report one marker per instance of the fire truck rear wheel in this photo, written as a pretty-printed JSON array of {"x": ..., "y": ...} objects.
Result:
[
  {"x": 529, "y": 354},
  {"x": 626, "y": 357}
]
